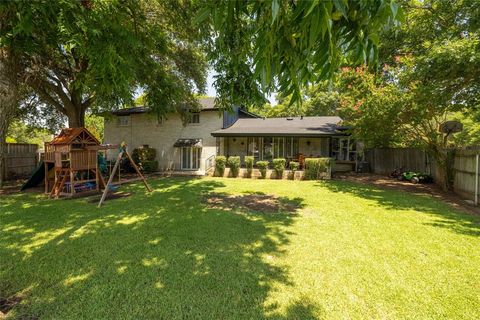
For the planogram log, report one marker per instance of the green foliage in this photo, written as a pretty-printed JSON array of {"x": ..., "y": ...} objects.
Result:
[
  {"x": 143, "y": 154},
  {"x": 19, "y": 132},
  {"x": 233, "y": 163},
  {"x": 278, "y": 165},
  {"x": 372, "y": 107},
  {"x": 220, "y": 162},
  {"x": 315, "y": 168},
  {"x": 293, "y": 165},
  {"x": 249, "y": 165},
  {"x": 262, "y": 167},
  {"x": 150, "y": 166},
  {"x": 95, "y": 124},
  {"x": 94, "y": 55},
  {"x": 255, "y": 45},
  {"x": 145, "y": 159},
  {"x": 319, "y": 100}
]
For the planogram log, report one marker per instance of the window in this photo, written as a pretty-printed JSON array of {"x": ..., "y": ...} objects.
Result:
[
  {"x": 194, "y": 118},
  {"x": 253, "y": 147},
  {"x": 278, "y": 147},
  {"x": 123, "y": 120},
  {"x": 267, "y": 148},
  {"x": 191, "y": 158},
  {"x": 291, "y": 147},
  {"x": 344, "y": 149}
]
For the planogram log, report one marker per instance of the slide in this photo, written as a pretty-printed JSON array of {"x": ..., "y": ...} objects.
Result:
[{"x": 37, "y": 177}]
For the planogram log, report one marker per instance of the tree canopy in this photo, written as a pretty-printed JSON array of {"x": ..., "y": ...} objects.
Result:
[
  {"x": 257, "y": 47},
  {"x": 81, "y": 55}
]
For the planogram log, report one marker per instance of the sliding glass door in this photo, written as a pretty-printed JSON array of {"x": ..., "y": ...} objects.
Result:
[{"x": 191, "y": 158}]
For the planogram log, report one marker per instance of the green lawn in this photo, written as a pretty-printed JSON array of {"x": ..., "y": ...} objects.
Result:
[{"x": 350, "y": 251}]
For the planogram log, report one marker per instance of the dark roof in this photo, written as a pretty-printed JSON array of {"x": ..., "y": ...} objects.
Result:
[
  {"x": 206, "y": 104},
  {"x": 128, "y": 111},
  {"x": 291, "y": 126},
  {"x": 74, "y": 135},
  {"x": 193, "y": 143}
]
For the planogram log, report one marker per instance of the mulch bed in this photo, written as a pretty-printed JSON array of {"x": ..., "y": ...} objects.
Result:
[
  {"x": 252, "y": 202},
  {"x": 430, "y": 189}
]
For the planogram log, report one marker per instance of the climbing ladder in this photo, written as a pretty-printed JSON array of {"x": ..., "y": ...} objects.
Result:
[{"x": 61, "y": 176}]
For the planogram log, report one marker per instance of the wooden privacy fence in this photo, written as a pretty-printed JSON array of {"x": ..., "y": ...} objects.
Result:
[
  {"x": 385, "y": 160},
  {"x": 21, "y": 159},
  {"x": 466, "y": 174},
  {"x": 466, "y": 165}
]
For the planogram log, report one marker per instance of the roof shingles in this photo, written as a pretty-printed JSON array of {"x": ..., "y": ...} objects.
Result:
[{"x": 298, "y": 126}]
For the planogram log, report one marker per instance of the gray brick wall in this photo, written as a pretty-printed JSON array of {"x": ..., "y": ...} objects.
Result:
[{"x": 144, "y": 129}]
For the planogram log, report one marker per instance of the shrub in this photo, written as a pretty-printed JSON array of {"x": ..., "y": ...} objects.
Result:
[
  {"x": 234, "y": 165},
  {"x": 293, "y": 165},
  {"x": 249, "y": 165},
  {"x": 279, "y": 167},
  {"x": 316, "y": 167},
  {"x": 220, "y": 162},
  {"x": 150, "y": 166},
  {"x": 145, "y": 159},
  {"x": 140, "y": 155},
  {"x": 263, "y": 166}
]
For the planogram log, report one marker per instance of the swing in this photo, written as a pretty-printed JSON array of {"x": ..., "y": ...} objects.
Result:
[{"x": 122, "y": 152}]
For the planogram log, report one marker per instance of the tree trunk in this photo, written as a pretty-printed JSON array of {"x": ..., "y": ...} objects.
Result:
[
  {"x": 76, "y": 117},
  {"x": 9, "y": 97}
]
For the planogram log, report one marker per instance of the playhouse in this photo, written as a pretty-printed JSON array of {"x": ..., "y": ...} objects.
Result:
[{"x": 74, "y": 154}]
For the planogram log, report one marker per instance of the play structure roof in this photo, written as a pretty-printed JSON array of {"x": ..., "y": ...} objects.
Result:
[{"x": 74, "y": 135}]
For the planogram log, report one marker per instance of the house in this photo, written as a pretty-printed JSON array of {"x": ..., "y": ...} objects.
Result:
[{"x": 210, "y": 132}]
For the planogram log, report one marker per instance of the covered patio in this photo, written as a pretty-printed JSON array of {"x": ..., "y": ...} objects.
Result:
[{"x": 291, "y": 138}]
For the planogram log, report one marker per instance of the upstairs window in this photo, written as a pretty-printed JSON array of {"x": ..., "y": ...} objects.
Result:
[
  {"x": 194, "y": 118},
  {"x": 123, "y": 120}
]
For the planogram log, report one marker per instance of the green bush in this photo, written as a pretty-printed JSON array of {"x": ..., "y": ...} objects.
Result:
[
  {"x": 263, "y": 166},
  {"x": 316, "y": 167},
  {"x": 150, "y": 166},
  {"x": 249, "y": 165},
  {"x": 145, "y": 159},
  {"x": 279, "y": 167},
  {"x": 220, "y": 162},
  {"x": 234, "y": 165},
  {"x": 293, "y": 165},
  {"x": 140, "y": 155}
]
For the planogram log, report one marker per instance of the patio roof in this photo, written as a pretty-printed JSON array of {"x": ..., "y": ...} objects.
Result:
[
  {"x": 291, "y": 126},
  {"x": 192, "y": 143}
]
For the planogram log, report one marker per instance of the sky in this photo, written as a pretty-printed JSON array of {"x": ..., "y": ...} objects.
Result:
[{"x": 212, "y": 93}]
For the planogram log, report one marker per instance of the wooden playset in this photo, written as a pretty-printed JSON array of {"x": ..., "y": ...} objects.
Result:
[{"x": 74, "y": 153}]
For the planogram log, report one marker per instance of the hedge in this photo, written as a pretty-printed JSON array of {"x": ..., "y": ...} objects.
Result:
[
  {"x": 220, "y": 162},
  {"x": 315, "y": 168},
  {"x": 293, "y": 165},
  {"x": 145, "y": 159},
  {"x": 263, "y": 166},
  {"x": 233, "y": 163},
  {"x": 249, "y": 165},
  {"x": 279, "y": 167}
]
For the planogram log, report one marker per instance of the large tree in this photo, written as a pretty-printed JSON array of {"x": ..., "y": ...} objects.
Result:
[{"x": 94, "y": 54}]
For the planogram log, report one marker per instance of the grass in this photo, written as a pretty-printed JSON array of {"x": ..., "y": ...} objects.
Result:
[{"x": 350, "y": 251}]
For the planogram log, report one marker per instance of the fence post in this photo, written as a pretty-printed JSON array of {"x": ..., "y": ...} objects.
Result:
[{"x": 476, "y": 179}]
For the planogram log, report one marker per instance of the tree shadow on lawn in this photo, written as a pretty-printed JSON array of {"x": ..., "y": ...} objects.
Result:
[
  {"x": 448, "y": 217},
  {"x": 158, "y": 255}
]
